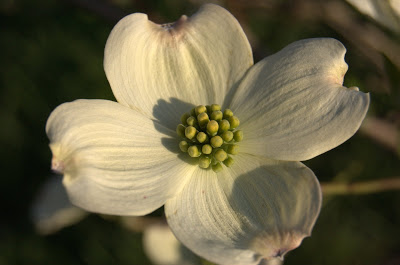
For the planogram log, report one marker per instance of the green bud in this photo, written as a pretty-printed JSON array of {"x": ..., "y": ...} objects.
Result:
[
  {"x": 220, "y": 155},
  {"x": 193, "y": 112},
  {"x": 204, "y": 162},
  {"x": 212, "y": 128},
  {"x": 206, "y": 149},
  {"x": 190, "y": 132},
  {"x": 238, "y": 136},
  {"x": 191, "y": 121},
  {"x": 202, "y": 137},
  {"x": 224, "y": 125},
  {"x": 215, "y": 107},
  {"x": 232, "y": 149},
  {"x": 180, "y": 130},
  {"x": 216, "y": 115},
  {"x": 234, "y": 121},
  {"x": 228, "y": 113},
  {"x": 184, "y": 117},
  {"x": 229, "y": 161},
  {"x": 216, "y": 141},
  {"x": 227, "y": 136},
  {"x": 194, "y": 151},
  {"x": 217, "y": 167},
  {"x": 203, "y": 119},
  {"x": 183, "y": 145},
  {"x": 200, "y": 109}
]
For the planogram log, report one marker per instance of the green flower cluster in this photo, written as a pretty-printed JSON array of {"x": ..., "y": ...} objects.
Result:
[{"x": 210, "y": 134}]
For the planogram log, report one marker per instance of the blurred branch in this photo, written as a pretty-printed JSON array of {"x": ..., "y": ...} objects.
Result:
[
  {"x": 365, "y": 187},
  {"x": 341, "y": 18},
  {"x": 381, "y": 131}
]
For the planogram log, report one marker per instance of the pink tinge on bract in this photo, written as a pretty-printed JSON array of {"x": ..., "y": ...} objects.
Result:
[
  {"x": 275, "y": 246},
  {"x": 177, "y": 25},
  {"x": 57, "y": 165}
]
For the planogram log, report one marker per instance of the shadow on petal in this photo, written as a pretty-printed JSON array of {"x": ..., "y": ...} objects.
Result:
[
  {"x": 172, "y": 144},
  {"x": 168, "y": 114},
  {"x": 278, "y": 205}
]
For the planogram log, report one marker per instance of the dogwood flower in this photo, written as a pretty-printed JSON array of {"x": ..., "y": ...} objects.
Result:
[{"x": 243, "y": 198}]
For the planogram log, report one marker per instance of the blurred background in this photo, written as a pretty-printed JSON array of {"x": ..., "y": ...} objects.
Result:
[{"x": 52, "y": 52}]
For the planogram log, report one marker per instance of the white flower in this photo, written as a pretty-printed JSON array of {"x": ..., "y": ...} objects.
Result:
[
  {"x": 123, "y": 158},
  {"x": 386, "y": 12},
  {"x": 162, "y": 248},
  {"x": 52, "y": 211}
]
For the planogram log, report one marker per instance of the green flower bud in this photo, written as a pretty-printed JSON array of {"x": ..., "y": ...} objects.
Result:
[
  {"x": 227, "y": 136},
  {"x": 220, "y": 155},
  {"x": 202, "y": 137},
  {"x": 232, "y": 149},
  {"x": 194, "y": 151},
  {"x": 238, "y": 136},
  {"x": 183, "y": 145},
  {"x": 234, "y": 121},
  {"x": 224, "y": 125},
  {"x": 217, "y": 167},
  {"x": 210, "y": 135},
  {"x": 190, "y": 132},
  {"x": 228, "y": 113},
  {"x": 216, "y": 115},
  {"x": 180, "y": 130},
  {"x": 200, "y": 109},
  {"x": 191, "y": 121},
  {"x": 229, "y": 161},
  {"x": 184, "y": 117},
  {"x": 215, "y": 107},
  {"x": 203, "y": 119},
  {"x": 212, "y": 128},
  {"x": 206, "y": 149},
  {"x": 216, "y": 141},
  {"x": 204, "y": 162}
]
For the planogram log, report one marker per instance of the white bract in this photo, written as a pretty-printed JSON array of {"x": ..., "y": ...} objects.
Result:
[
  {"x": 124, "y": 158},
  {"x": 385, "y": 12}
]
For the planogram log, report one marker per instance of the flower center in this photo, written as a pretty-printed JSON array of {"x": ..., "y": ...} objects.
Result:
[{"x": 210, "y": 135}]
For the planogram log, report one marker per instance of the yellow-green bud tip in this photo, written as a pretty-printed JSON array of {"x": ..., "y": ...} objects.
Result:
[
  {"x": 238, "y": 135},
  {"x": 204, "y": 162},
  {"x": 232, "y": 149},
  {"x": 203, "y": 119},
  {"x": 184, "y": 117},
  {"x": 216, "y": 115},
  {"x": 220, "y": 155},
  {"x": 228, "y": 162},
  {"x": 217, "y": 167},
  {"x": 223, "y": 126},
  {"x": 183, "y": 145},
  {"x": 212, "y": 128},
  {"x": 194, "y": 151},
  {"x": 206, "y": 149},
  {"x": 180, "y": 130},
  {"x": 202, "y": 137},
  {"x": 200, "y": 109},
  {"x": 227, "y": 136},
  {"x": 216, "y": 141},
  {"x": 234, "y": 121},
  {"x": 191, "y": 121},
  {"x": 227, "y": 113},
  {"x": 215, "y": 107},
  {"x": 190, "y": 132}
]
